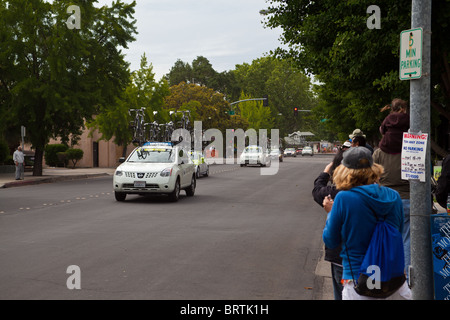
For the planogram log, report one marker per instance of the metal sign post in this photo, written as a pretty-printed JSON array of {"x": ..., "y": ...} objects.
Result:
[{"x": 421, "y": 276}]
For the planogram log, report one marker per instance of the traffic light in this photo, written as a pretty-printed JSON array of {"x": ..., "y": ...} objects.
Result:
[
  {"x": 295, "y": 111},
  {"x": 266, "y": 100}
]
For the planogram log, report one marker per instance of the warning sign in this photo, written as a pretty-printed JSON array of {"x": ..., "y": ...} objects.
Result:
[{"x": 413, "y": 156}]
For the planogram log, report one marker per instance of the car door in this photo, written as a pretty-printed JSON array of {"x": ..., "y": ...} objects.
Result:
[{"x": 185, "y": 166}]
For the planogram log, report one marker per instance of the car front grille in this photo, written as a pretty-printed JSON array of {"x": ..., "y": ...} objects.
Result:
[
  {"x": 130, "y": 186},
  {"x": 141, "y": 175}
]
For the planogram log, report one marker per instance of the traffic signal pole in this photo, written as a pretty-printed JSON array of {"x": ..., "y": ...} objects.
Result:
[{"x": 420, "y": 192}]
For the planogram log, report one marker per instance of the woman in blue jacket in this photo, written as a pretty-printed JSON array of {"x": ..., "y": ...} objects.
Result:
[{"x": 351, "y": 221}]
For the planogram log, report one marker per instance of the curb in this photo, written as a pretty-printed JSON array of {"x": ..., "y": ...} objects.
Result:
[{"x": 51, "y": 179}]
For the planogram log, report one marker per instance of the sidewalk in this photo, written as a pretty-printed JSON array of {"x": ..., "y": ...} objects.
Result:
[
  {"x": 325, "y": 282},
  {"x": 7, "y": 180}
]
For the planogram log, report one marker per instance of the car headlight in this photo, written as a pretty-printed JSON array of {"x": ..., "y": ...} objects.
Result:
[
  {"x": 118, "y": 173},
  {"x": 167, "y": 172}
]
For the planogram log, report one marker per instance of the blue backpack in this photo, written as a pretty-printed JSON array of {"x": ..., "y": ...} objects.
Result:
[{"x": 382, "y": 270}]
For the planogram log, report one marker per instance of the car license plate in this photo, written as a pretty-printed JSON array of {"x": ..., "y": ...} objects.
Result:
[{"x": 139, "y": 184}]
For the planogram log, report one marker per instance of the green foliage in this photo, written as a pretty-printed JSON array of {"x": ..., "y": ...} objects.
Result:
[
  {"x": 4, "y": 151},
  {"x": 53, "y": 78},
  {"x": 357, "y": 67},
  {"x": 258, "y": 116},
  {"x": 51, "y": 154},
  {"x": 143, "y": 91},
  {"x": 201, "y": 72},
  {"x": 74, "y": 155},
  {"x": 285, "y": 84},
  {"x": 204, "y": 104}
]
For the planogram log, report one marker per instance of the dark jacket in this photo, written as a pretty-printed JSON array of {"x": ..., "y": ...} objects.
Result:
[
  {"x": 443, "y": 183},
  {"x": 320, "y": 191},
  {"x": 392, "y": 129}
]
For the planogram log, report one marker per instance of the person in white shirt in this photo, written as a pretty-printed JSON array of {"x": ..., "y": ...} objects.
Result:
[{"x": 19, "y": 158}]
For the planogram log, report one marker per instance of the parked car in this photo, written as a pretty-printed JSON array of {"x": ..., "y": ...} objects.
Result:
[
  {"x": 201, "y": 166},
  {"x": 254, "y": 155},
  {"x": 155, "y": 168},
  {"x": 276, "y": 153},
  {"x": 289, "y": 152},
  {"x": 298, "y": 151},
  {"x": 307, "y": 151}
]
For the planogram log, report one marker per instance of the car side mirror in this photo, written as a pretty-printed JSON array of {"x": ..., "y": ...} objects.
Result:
[{"x": 121, "y": 159}]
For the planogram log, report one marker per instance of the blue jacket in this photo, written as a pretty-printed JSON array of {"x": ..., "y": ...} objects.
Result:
[{"x": 352, "y": 221}]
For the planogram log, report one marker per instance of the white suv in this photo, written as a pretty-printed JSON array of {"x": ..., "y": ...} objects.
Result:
[
  {"x": 254, "y": 155},
  {"x": 307, "y": 150},
  {"x": 155, "y": 168}
]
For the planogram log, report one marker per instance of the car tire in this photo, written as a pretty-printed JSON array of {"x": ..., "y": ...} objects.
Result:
[
  {"x": 207, "y": 172},
  {"x": 191, "y": 189},
  {"x": 175, "y": 194},
  {"x": 197, "y": 173},
  {"x": 120, "y": 196}
]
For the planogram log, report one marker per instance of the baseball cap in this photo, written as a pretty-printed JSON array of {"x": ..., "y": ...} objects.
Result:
[
  {"x": 356, "y": 132},
  {"x": 347, "y": 144},
  {"x": 357, "y": 158}
]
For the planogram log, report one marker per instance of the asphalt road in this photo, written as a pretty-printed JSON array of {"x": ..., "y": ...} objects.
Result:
[{"x": 242, "y": 236}]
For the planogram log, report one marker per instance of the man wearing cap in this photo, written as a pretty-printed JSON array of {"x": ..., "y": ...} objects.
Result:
[
  {"x": 358, "y": 139},
  {"x": 351, "y": 221}
]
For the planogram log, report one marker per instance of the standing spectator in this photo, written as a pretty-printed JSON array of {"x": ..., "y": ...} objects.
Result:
[
  {"x": 358, "y": 139},
  {"x": 389, "y": 156},
  {"x": 321, "y": 190},
  {"x": 19, "y": 159},
  {"x": 443, "y": 183},
  {"x": 351, "y": 221}
]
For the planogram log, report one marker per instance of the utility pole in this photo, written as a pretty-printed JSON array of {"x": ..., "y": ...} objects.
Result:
[{"x": 422, "y": 284}]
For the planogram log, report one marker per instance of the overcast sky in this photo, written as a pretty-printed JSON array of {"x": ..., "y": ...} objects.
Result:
[{"x": 226, "y": 32}]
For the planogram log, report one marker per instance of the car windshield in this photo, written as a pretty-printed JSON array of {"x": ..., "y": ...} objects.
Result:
[
  {"x": 274, "y": 151},
  {"x": 253, "y": 150},
  {"x": 307, "y": 148},
  {"x": 152, "y": 155}
]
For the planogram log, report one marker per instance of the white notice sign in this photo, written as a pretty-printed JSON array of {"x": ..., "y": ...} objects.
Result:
[{"x": 413, "y": 156}]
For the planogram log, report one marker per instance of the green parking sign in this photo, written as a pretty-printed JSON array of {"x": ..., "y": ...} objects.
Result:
[{"x": 411, "y": 54}]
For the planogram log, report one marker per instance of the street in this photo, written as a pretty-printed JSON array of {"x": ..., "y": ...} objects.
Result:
[{"x": 242, "y": 236}]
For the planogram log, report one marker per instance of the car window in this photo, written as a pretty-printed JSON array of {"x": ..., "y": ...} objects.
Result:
[
  {"x": 253, "y": 150},
  {"x": 152, "y": 155}
]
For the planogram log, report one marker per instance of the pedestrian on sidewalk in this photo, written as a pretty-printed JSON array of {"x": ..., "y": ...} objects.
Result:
[
  {"x": 389, "y": 155},
  {"x": 19, "y": 159},
  {"x": 322, "y": 189},
  {"x": 351, "y": 221}
]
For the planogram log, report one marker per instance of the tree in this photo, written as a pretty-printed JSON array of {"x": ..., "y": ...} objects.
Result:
[
  {"x": 285, "y": 84},
  {"x": 358, "y": 66},
  {"x": 113, "y": 120},
  {"x": 54, "y": 78},
  {"x": 258, "y": 116},
  {"x": 74, "y": 155},
  {"x": 205, "y": 104},
  {"x": 180, "y": 72},
  {"x": 201, "y": 72}
]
